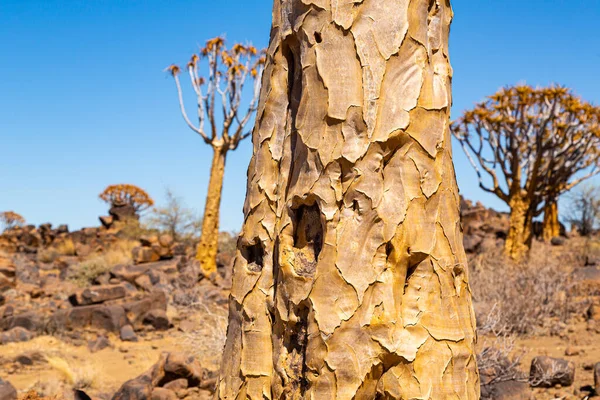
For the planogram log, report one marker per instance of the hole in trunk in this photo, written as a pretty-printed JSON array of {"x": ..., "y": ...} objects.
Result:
[
  {"x": 254, "y": 255},
  {"x": 308, "y": 239}
]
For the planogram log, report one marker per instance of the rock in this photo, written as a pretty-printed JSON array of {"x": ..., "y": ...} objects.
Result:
[
  {"x": 165, "y": 240},
  {"x": 184, "y": 366},
  {"x": 571, "y": 351},
  {"x": 148, "y": 240},
  {"x": 144, "y": 282},
  {"x": 177, "y": 384},
  {"x": 139, "y": 388},
  {"x": 138, "y": 309},
  {"x": 107, "y": 220},
  {"x": 97, "y": 294},
  {"x": 509, "y": 390},
  {"x": 7, "y": 391},
  {"x": 163, "y": 394},
  {"x": 15, "y": 335},
  {"x": 557, "y": 241},
  {"x": 597, "y": 377},
  {"x": 100, "y": 343},
  {"x": 29, "y": 320},
  {"x": 82, "y": 250},
  {"x": 62, "y": 229},
  {"x": 109, "y": 318},
  {"x": 548, "y": 372},
  {"x": 127, "y": 334},
  {"x": 593, "y": 312},
  {"x": 123, "y": 212},
  {"x": 142, "y": 255},
  {"x": 7, "y": 268},
  {"x": 157, "y": 319}
]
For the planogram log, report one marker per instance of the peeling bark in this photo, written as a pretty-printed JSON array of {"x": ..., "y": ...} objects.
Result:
[{"x": 351, "y": 279}]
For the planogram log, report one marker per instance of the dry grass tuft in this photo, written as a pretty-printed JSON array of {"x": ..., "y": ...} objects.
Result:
[
  {"x": 533, "y": 297},
  {"x": 88, "y": 270},
  {"x": 206, "y": 342}
]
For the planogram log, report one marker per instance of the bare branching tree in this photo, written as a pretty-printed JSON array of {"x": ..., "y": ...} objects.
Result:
[
  {"x": 528, "y": 146},
  {"x": 175, "y": 218},
  {"x": 218, "y": 77},
  {"x": 584, "y": 209}
]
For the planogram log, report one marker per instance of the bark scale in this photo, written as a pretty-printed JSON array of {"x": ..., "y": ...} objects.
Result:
[
  {"x": 207, "y": 248},
  {"x": 350, "y": 280}
]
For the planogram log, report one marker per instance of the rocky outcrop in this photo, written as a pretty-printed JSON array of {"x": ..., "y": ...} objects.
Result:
[
  {"x": 153, "y": 248},
  {"x": 175, "y": 375}
]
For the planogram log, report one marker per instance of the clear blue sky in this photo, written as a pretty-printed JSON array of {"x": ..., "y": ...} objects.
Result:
[{"x": 84, "y": 101}]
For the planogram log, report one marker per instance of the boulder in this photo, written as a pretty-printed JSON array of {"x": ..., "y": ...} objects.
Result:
[
  {"x": 127, "y": 334},
  {"x": 7, "y": 391},
  {"x": 109, "y": 318},
  {"x": 548, "y": 372},
  {"x": 100, "y": 343},
  {"x": 158, "y": 319},
  {"x": 139, "y": 388},
  {"x": 558, "y": 241},
  {"x": 509, "y": 390},
  {"x": 142, "y": 255},
  {"x": 173, "y": 371},
  {"x": 14, "y": 335},
  {"x": 184, "y": 366},
  {"x": 123, "y": 212},
  {"x": 165, "y": 240},
  {"x": 163, "y": 394},
  {"x": 136, "y": 310},
  {"x": 97, "y": 294},
  {"x": 593, "y": 312},
  {"x": 107, "y": 220}
]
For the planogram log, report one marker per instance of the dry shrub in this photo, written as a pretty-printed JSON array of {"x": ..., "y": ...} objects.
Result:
[
  {"x": 531, "y": 297},
  {"x": 82, "y": 377},
  {"x": 498, "y": 360},
  {"x": 207, "y": 341},
  {"x": 47, "y": 256},
  {"x": 66, "y": 247},
  {"x": 88, "y": 270}
]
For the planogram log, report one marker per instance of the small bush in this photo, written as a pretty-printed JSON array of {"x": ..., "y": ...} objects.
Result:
[
  {"x": 47, "y": 256},
  {"x": 531, "y": 297},
  {"x": 89, "y": 270},
  {"x": 66, "y": 248}
]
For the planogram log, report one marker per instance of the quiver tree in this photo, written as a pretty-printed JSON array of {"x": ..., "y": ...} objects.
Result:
[
  {"x": 126, "y": 201},
  {"x": 219, "y": 94},
  {"x": 350, "y": 280},
  {"x": 10, "y": 219},
  {"x": 527, "y": 145},
  {"x": 573, "y": 155}
]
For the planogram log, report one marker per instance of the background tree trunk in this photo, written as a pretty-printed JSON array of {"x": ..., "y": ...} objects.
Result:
[
  {"x": 350, "y": 280},
  {"x": 519, "y": 239},
  {"x": 551, "y": 225},
  {"x": 209, "y": 238}
]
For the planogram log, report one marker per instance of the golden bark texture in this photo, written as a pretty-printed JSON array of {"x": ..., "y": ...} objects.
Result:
[
  {"x": 209, "y": 239},
  {"x": 519, "y": 238},
  {"x": 350, "y": 280},
  {"x": 551, "y": 225}
]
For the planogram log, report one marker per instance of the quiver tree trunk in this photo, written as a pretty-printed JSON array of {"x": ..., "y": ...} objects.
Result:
[
  {"x": 551, "y": 224},
  {"x": 209, "y": 239},
  {"x": 350, "y": 280},
  {"x": 520, "y": 235}
]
